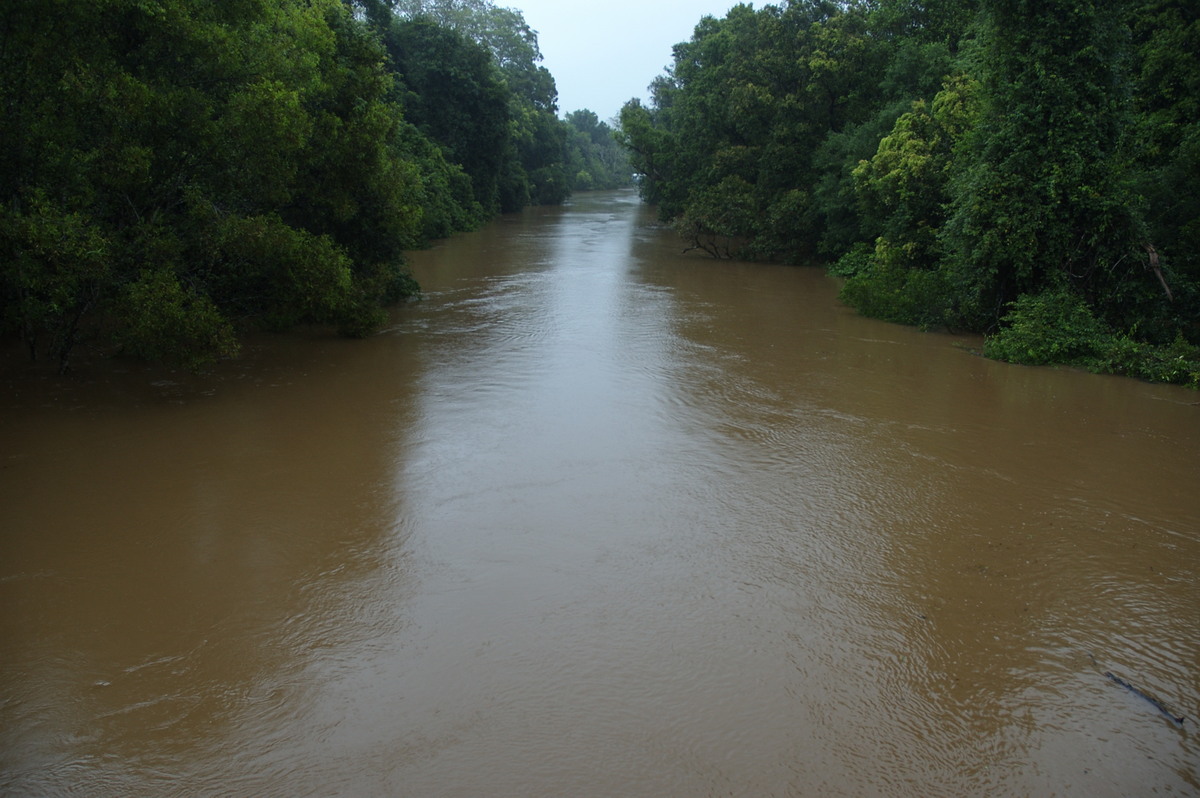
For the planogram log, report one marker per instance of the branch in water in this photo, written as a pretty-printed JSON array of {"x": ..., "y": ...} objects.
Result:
[{"x": 1160, "y": 706}]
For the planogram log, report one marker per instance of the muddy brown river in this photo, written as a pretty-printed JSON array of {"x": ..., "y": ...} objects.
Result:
[{"x": 599, "y": 518}]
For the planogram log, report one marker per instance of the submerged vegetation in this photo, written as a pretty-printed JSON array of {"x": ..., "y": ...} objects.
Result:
[
  {"x": 175, "y": 172},
  {"x": 1023, "y": 169}
]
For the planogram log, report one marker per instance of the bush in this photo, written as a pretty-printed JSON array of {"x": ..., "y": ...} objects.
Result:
[
  {"x": 1052, "y": 327},
  {"x": 856, "y": 261},
  {"x": 167, "y": 323},
  {"x": 1178, "y": 362},
  {"x": 1058, "y": 327},
  {"x": 905, "y": 296}
]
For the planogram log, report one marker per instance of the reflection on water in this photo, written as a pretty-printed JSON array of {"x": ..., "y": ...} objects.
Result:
[{"x": 599, "y": 518}]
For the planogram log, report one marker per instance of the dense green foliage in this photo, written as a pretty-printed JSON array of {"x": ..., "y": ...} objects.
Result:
[
  {"x": 526, "y": 162},
  {"x": 454, "y": 95},
  {"x": 546, "y": 158},
  {"x": 173, "y": 167},
  {"x": 1024, "y": 169},
  {"x": 178, "y": 171},
  {"x": 595, "y": 160}
]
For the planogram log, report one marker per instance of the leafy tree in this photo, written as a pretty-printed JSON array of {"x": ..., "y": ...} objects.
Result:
[
  {"x": 503, "y": 32},
  {"x": 905, "y": 190},
  {"x": 454, "y": 95},
  {"x": 177, "y": 169},
  {"x": 532, "y": 167},
  {"x": 997, "y": 165},
  {"x": 542, "y": 151},
  {"x": 596, "y": 160},
  {"x": 651, "y": 145},
  {"x": 768, "y": 111},
  {"x": 1042, "y": 195},
  {"x": 446, "y": 192},
  {"x": 1166, "y": 35}
]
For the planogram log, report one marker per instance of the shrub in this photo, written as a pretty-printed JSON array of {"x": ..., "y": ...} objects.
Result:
[
  {"x": 1051, "y": 327},
  {"x": 1058, "y": 327},
  {"x": 166, "y": 322},
  {"x": 882, "y": 290}
]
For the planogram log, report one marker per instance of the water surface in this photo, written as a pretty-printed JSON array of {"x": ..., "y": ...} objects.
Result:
[{"x": 599, "y": 518}]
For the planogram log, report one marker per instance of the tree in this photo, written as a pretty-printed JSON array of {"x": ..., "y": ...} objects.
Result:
[
  {"x": 596, "y": 160},
  {"x": 174, "y": 170},
  {"x": 904, "y": 189},
  {"x": 1041, "y": 194},
  {"x": 1166, "y": 36},
  {"x": 454, "y": 95},
  {"x": 1019, "y": 168},
  {"x": 742, "y": 118},
  {"x": 533, "y": 164},
  {"x": 504, "y": 33}
]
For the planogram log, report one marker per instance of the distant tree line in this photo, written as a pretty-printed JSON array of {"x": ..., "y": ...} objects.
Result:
[
  {"x": 175, "y": 172},
  {"x": 1023, "y": 168}
]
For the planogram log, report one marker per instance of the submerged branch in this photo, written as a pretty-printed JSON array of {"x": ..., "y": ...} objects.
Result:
[{"x": 1160, "y": 706}]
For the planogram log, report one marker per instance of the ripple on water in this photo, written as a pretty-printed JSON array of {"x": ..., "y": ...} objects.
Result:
[{"x": 599, "y": 519}]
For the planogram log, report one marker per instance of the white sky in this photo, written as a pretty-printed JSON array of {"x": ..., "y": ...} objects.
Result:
[{"x": 603, "y": 52}]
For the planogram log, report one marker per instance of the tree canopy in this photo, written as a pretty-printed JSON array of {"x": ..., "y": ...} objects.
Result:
[
  {"x": 1023, "y": 169},
  {"x": 595, "y": 160},
  {"x": 176, "y": 172}
]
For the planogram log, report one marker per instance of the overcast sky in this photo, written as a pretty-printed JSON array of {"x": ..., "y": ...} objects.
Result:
[{"x": 603, "y": 52}]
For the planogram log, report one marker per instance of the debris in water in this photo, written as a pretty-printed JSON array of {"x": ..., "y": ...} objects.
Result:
[{"x": 1160, "y": 706}]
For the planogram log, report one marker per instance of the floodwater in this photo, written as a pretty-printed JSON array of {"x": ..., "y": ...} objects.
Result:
[{"x": 599, "y": 518}]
